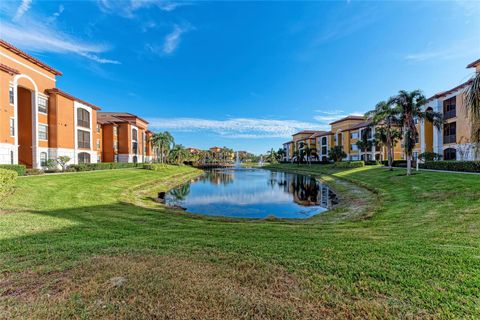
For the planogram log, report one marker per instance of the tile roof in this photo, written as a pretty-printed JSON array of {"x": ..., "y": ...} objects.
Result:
[
  {"x": 69, "y": 96},
  {"x": 125, "y": 115},
  {"x": 348, "y": 118},
  {"x": 320, "y": 134},
  {"x": 8, "y": 69},
  {"x": 474, "y": 64},
  {"x": 445, "y": 93},
  {"x": 28, "y": 57},
  {"x": 359, "y": 125}
]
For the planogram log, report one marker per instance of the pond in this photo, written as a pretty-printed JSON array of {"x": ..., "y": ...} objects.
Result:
[{"x": 253, "y": 193}]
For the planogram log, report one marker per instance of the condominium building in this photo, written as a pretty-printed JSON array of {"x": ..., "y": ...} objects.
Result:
[
  {"x": 39, "y": 121},
  {"x": 453, "y": 141},
  {"x": 125, "y": 137}
]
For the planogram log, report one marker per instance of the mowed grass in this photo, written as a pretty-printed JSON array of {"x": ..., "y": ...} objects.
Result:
[{"x": 404, "y": 247}]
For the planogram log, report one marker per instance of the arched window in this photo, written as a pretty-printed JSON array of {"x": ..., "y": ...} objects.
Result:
[
  {"x": 135, "y": 159},
  {"x": 84, "y": 157},
  {"x": 83, "y": 118},
  {"x": 450, "y": 154},
  {"x": 43, "y": 159}
]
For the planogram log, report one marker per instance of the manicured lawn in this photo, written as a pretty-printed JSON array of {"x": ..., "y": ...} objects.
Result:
[{"x": 94, "y": 244}]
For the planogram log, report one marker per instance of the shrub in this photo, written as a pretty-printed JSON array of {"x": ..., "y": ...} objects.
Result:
[
  {"x": 33, "y": 172},
  {"x": 7, "y": 182},
  {"x": 429, "y": 156},
  {"x": 101, "y": 166},
  {"x": 349, "y": 164},
  {"x": 154, "y": 166},
  {"x": 466, "y": 166},
  {"x": 20, "y": 169},
  {"x": 337, "y": 154},
  {"x": 396, "y": 163},
  {"x": 372, "y": 163}
]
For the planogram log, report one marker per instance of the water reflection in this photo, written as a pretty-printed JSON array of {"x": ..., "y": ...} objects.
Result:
[{"x": 253, "y": 193}]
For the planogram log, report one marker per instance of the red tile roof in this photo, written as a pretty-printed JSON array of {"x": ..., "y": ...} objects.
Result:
[
  {"x": 121, "y": 115},
  {"x": 445, "y": 93},
  {"x": 306, "y": 132},
  {"x": 28, "y": 57},
  {"x": 348, "y": 118},
  {"x": 69, "y": 96},
  {"x": 8, "y": 70},
  {"x": 359, "y": 125},
  {"x": 474, "y": 64},
  {"x": 320, "y": 134}
]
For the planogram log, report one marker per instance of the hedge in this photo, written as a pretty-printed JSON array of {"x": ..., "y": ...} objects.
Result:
[
  {"x": 397, "y": 163},
  {"x": 154, "y": 166},
  {"x": 372, "y": 162},
  {"x": 101, "y": 166},
  {"x": 7, "y": 182},
  {"x": 466, "y": 166},
  {"x": 20, "y": 169},
  {"x": 349, "y": 164}
]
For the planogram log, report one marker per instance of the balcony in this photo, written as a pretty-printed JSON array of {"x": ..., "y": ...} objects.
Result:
[
  {"x": 450, "y": 114},
  {"x": 450, "y": 139}
]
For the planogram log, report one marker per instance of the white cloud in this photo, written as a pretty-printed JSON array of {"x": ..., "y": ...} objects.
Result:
[
  {"x": 247, "y": 128},
  {"x": 127, "y": 9},
  {"x": 461, "y": 49},
  {"x": 172, "y": 40},
  {"x": 32, "y": 35},
  {"x": 22, "y": 9},
  {"x": 330, "y": 116}
]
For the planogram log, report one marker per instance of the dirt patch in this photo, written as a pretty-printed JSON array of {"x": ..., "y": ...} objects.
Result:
[{"x": 172, "y": 288}]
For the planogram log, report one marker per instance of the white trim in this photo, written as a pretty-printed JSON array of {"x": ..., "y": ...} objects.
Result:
[
  {"x": 46, "y": 125},
  {"x": 14, "y": 127},
  {"x": 26, "y": 66}
]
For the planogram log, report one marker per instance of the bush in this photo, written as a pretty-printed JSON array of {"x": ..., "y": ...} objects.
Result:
[
  {"x": 372, "y": 163},
  {"x": 349, "y": 164},
  {"x": 20, "y": 169},
  {"x": 154, "y": 166},
  {"x": 397, "y": 163},
  {"x": 429, "y": 156},
  {"x": 7, "y": 182},
  {"x": 465, "y": 166},
  {"x": 100, "y": 166},
  {"x": 33, "y": 172}
]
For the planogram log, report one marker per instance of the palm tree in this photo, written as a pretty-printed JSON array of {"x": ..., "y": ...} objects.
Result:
[
  {"x": 365, "y": 143},
  {"x": 386, "y": 115},
  {"x": 281, "y": 154},
  {"x": 472, "y": 102},
  {"x": 162, "y": 143},
  {"x": 409, "y": 106},
  {"x": 271, "y": 156},
  {"x": 309, "y": 152},
  {"x": 178, "y": 154}
]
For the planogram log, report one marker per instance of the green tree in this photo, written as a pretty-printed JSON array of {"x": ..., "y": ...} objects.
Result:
[
  {"x": 385, "y": 119},
  {"x": 472, "y": 102},
  {"x": 178, "y": 154},
  {"x": 365, "y": 142},
  {"x": 162, "y": 142},
  {"x": 309, "y": 153},
  {"x": 409, "y": 106},
  {"x": 281, "y": 154},
  {"x": 271, "y": 156},
  {"x": 337, "y": 154},
  {"x": 63, "y": 161}
]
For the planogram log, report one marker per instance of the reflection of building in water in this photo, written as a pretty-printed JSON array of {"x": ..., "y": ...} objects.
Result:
[
  {"x": 306, "y": 191},
  {"x": 218, "y": 177}
]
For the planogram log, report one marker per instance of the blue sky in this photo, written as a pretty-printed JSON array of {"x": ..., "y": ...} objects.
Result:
[{"x": 245, "y": 74}]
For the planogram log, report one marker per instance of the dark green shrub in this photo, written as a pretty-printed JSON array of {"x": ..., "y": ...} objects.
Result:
[
  {"x": 7, "y": 182},
  {"x": 101, "y": 166},
  {"x": 20, "y": 169},
  {"x": 466, "y": 166},
  {"x": 33, "y": 172},
  {"x": 154, "y": 166},
  {"x": 372, "y": 163},
  {"x": 429, "y": 156},
  {"x": 349, "y": 164}
]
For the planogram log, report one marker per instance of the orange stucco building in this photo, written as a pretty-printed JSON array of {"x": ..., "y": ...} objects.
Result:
[{"x": 38, "y": 121}]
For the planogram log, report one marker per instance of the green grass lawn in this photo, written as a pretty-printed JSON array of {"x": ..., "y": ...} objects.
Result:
[{"x": 95, "y": 245}]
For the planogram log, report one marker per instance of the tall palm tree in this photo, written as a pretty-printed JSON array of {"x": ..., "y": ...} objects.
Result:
[
  {"x": 386, "y": 115},
  {"x": 364, "y": 143},
  {"x": 309, "y": 153},
  {"x": 178, "y": 154},
  {"x": 271, "y": 156},
  {"x": 162, "y": 143},
  {"x": 409, "y": 106},
  {"x": 472, "y": 102}
]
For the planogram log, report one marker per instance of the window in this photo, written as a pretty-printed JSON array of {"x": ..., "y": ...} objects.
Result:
[
  {"x": 43, "y": 159},
  {"x": 450, "y": 154},
  {"x": 83, "y": 139},
  {"x": 450, "y": 132},
  {"x": 324, "y": 140},
  {"x": 354, "y": 135},
  {"x": 354, "y": 157},
  {"x": 12, "y": 127},
  {"x": 42, "y": 105},
  {"x": 353, "y": 147},
  {"x": 83, "y": 157},
  {"x": 83, "y": 118},
  {"x": 98, "y": 127},
  {"x": 134, "y": 147},
  {"x": 98, "y": 143},
  {"x": 450, "y": 108},
  {"x": 115, "y": 131},
  {"x": 134, "y": 135},
  {"x": 42, "y": 132},
  {"x": 11, "y": 95},
  {"x": 324, "y": 150}
]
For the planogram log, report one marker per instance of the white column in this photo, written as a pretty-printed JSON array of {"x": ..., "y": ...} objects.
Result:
[
  {"x": 35, "y": 149},
  {"x": 15, "y": 114},
  {"x": 422, "y": 135}
]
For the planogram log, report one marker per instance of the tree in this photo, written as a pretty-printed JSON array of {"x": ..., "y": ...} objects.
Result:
[
  {"x": 178, "y": 154},
  {"x": 271, "y": 156},
  {"x": 409, "y": 106},
  {"x": 162, "y": 143},
  {"x": 472, "y": 102},
  {"x": 309, "y": 153},
  {"x": 385, "y": 118},
  {"x": 337, "y": 154},
  {"x": 63, "y": 161},
  {"x": 365, "y": 142},
  {"x": 281, "y": 154}
]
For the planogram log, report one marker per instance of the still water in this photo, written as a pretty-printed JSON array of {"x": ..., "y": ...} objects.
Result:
[{"x": 253, "y": 193}]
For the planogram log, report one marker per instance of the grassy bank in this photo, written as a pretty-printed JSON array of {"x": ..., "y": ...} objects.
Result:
[{"x": 94, "y": 245}]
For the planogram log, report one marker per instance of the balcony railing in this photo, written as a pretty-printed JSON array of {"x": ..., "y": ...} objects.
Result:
[
  {"x": 450, "y": 139},
  {"x": 450, "y": 114}
]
